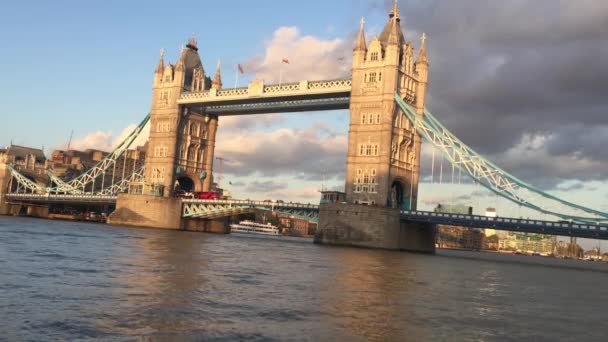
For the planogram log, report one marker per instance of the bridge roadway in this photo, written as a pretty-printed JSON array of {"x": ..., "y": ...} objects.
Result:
[
  {"x": 210, "y": 209},
  {"x": 591, "y": 231}
]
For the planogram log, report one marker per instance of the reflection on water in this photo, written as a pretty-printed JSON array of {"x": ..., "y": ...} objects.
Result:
[{"x": 64, "y": 280}]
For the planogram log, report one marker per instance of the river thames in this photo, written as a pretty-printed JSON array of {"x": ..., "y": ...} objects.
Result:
[{"x": 70, "y": 280}]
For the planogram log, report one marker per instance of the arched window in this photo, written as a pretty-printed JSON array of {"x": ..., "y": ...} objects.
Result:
[
  {"x": 375, "y": 150},
  {"x": 377, "y": 118},
  {"x": 362, "y": 119},
  {"x": 379, "y": 76}
]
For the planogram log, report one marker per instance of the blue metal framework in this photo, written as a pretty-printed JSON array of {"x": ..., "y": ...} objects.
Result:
[
  {"x": 591, "y": 231},
  {"x": 221, "y": 208},
  {"x": 491, "y": 176},
  {"x": 80, "y": 184},
  {"x": 279, "y": 105}
]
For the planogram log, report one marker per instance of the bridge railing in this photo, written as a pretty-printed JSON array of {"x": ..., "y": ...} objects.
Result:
[
  {"x": 272, "y": 90},
  {"x": 61, "y": 197},
  {"x": 507, "y": 220},
  {"x": 253, "y": 203}
]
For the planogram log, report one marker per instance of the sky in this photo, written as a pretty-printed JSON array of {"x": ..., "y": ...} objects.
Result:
[{"x": 522, "y": 82}]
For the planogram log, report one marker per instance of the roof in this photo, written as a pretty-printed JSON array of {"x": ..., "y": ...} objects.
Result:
[
  {"x": 23, "y": 152},
  {"x": 386, "y": 32}
]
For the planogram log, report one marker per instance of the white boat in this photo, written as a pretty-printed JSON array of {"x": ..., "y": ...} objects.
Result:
[{"x": 249, "y": 227}]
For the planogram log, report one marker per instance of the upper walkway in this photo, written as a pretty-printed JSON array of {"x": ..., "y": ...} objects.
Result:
[{"x": 259, "y": 98}]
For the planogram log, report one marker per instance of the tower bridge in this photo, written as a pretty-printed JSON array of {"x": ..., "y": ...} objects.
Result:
[{"x": 385, "y": 96}]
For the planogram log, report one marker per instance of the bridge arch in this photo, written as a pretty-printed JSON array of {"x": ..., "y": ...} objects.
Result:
[
  {"x": 185, "y": 183},
  {"x": 399, "y": 195}
]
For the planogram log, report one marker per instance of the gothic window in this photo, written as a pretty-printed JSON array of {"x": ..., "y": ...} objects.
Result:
[
  {"x": 361, "y": 150},
  {"x": 377, "y": 118},
  {"x": 359, "y": 171},
  {"x": 373, "y": 172},
  {"x": 366, "y": 179},
  {"x": 372, "y": 77},
  {"x": 379, "y": 76},
  {"x": 374, "y": 56},
  {"x": 370, "y": 119},
  {"x": 375, "y": 150},
  {"x": 162, "y": 126},
  {"x": 368, "y": 150},
  {"x": 365, "y": 78},
  {"x": 362, "y": 119},
  {"x": 357, "y": 188}
]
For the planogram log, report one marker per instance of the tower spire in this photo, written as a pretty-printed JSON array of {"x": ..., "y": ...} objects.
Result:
[
  {"x": 192, "y": 44},
  {"x": 361, "y": 45},
  {"x": 395, "y": 11},
  {"x": 422, "y": 58},
  {"x": 161, "y": 62},
  {"x": 217, "y": 79}
]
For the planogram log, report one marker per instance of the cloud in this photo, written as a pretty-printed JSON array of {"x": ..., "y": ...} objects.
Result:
[
  {"x": 310, "y": 58},
  {"x": 307, "y": 153},
  {"x": 247, "y": 122},
  {"x": 106, "y": 141},
  {"x": 510, "y": 73}
]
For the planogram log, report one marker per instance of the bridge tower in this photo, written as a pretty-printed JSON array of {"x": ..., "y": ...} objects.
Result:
[
  {"x": 181, "y": 142},
  {"x": 383, "y": 158}
]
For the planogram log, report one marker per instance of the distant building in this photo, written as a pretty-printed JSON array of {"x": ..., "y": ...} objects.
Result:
[
  {"x": 332, "y": 197},
  {"x": 491, "y": 212},
  {"x": 454, "y": 209},
  {"x": 69, "y": 164},
  {"x": 30, "y": 162},
  {"x": 460, "y": 237}
]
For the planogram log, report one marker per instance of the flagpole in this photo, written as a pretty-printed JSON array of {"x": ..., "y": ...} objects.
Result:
[
  {"x": 236, "y": 82},
  {"x": 280, "y": 74}
]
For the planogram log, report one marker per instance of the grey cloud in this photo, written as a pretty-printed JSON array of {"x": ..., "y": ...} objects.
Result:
[
  {"x": 264, "y": 186},
  {"x": 503, "y": 70}
]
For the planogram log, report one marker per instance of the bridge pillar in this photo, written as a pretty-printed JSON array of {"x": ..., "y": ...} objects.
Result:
[
  {"x": 372, "y": 227},
  {"x": 147, "y": 211},
  {"x": 383, "y": 158}
]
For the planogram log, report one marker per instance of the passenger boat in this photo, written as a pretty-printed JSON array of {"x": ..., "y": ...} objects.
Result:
[{"x": 249, "y": 227}]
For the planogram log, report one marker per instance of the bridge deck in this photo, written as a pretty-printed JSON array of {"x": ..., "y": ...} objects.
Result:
[
  {"x": 259, "y": 98},
  {"x": 196, "y": 208},
  {"x": 591, "y": 231}
]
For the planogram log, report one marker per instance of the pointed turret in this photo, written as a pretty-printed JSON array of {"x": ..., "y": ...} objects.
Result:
[
  {"x": 161, "y": 63},
  {"x": 180, "y": 66},
  {"x": 422, "y": 70},
  {"x": 391, "y": 34},
  {"x": 192, "y": 44},
  {"x": 395, "y": 11},
  {"x": 422, "y": 59},
  {"x": 217, "y": 79},
  {"x": 361, "y": 45}
]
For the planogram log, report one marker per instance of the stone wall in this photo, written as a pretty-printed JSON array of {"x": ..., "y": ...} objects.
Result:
[
  {"x": 147, "y": 211},
  {"x": 372, "y": 227}
]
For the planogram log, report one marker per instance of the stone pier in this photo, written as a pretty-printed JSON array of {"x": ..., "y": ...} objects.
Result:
[
  {"x": 148, "y": 211},
  {"x": 372, "y": 227}
]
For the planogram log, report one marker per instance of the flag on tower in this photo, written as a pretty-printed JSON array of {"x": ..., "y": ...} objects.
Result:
[
  {"x": 241, "y": 70},
  {"x": 285, "y": 60}
]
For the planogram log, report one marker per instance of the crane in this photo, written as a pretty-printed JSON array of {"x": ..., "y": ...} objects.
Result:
[{"x": 219, "y": 169}]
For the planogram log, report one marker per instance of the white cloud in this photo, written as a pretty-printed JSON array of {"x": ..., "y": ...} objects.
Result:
[
  {"x": 310, "y": 58},
  {"x": 106, "y": 141}
]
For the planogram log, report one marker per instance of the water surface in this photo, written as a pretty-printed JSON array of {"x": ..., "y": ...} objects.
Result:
[{"x": 69, "y": 280}]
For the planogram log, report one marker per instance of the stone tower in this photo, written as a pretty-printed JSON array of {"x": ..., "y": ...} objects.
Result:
[
  {"x": 383, "y": 159},
  {"x": 181, "y": 142}
]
